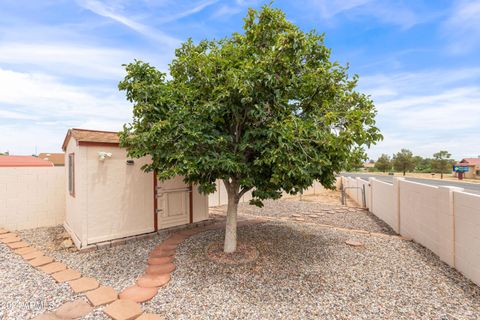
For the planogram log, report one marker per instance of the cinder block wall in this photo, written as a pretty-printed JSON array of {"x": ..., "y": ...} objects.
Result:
[
  {"x": 467, "y": 234},
  {"x": 220, "y": 197},
  {"x": 382, "y": 202},
  {"x": 32, "y": 197},
  {"x": 445, "y": 220}
]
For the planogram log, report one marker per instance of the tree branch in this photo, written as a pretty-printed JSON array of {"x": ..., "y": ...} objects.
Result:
[{"x": 244, "y": 190}]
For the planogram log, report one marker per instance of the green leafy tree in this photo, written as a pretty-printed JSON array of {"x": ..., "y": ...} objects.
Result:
[
  {"x": 383, "y": 163},
  {"x": 265, "y": 110},
  {"x": 423, "y": 164},
  {"x": 442, "y": 162},
  {"x": 403, "y": 161}
]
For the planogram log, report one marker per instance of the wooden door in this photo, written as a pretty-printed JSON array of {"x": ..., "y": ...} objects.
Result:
[{"x": 173, "y": 203}]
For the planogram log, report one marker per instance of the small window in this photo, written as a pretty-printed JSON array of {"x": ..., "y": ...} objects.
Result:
[{"x": 71, "y": 174}]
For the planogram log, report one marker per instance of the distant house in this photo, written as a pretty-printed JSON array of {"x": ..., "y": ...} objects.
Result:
[
  {"x": 368, "y": 165},
  {"x": 58, "y": 159},
  {"x": 473, "y": 165},
  {"x": 23, "y": 161}
]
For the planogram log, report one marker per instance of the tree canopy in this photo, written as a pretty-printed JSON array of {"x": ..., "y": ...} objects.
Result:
[
  {"x": 442, "y": 162},
  {"x": 263, "y": 110},
  {"x": 383, "y": 163},
  {"x": 403, "y": 161}
]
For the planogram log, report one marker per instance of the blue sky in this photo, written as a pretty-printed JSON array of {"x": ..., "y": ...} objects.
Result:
[{"x": 60, "y": 62}]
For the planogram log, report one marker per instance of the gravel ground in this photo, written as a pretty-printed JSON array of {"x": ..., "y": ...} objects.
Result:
[
  {"x": 304, "y": 272},
  {"x": 26, "y": 292},
  {"x": 316, "y": 212},
  {"x": 117, "y": 267}
]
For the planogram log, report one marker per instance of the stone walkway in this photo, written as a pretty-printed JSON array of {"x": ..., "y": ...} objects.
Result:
[
  {"x": 123, "y": 306},
  {"x": 119, "y": 307}
]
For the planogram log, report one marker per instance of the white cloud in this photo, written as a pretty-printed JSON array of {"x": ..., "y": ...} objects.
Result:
[
  {"x": 147, "y": 31},
  {"x": 43, "y": 108},
  {"x": 67, "y": 59},
  {"x": 392, "y": 12},
  {"x": 226, "y": 11},
  {"x": 46, "y": 96},
  {"x": 18, "y": 139},
  {"x": 463, "y": 26},
  {"x": 188, "y": 12},
  {"x": 427, "y": 111},
  {"x": 330, "y": 9}
]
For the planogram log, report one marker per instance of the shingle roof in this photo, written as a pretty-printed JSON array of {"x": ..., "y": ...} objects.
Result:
[
  {"x": 58, "y": 159},
  {"x": 471, "y": 160},
  {"x": 95, "y": 136},
  {"x": 23, "y": 161}
]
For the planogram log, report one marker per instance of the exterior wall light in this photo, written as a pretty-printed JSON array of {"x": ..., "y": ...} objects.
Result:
[{"x": 103, "y": 155}]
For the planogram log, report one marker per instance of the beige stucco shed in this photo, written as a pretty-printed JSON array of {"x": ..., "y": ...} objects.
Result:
[{"x": 109, "y": 197}]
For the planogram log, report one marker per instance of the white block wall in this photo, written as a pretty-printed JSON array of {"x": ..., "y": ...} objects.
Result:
[
  {"x": 32, "y": 197},
  {"x": 445, "y": 220},
  {"x": 418, "y": 213},
  {"x": 467, "y": 234},
  {"x": 220, "y": 197},
  {"x": 382, "y": 202}
]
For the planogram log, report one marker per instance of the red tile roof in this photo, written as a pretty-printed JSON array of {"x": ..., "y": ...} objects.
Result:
[
  {"x": 23, "y": 161},
  {"x": 91, "y": 136},
  {"x": 471, "y": 161}
]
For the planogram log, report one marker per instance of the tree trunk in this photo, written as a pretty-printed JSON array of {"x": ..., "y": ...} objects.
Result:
[
  {"x": 231, "y": 226},
  {"x": 441, "y": 175},
  {"x": 230, "y": 244}
]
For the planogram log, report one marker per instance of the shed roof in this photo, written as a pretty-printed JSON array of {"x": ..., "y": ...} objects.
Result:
[
  {"x": 23, "y": 161},
  {"x": 91, "y": 137},
  {"x": 58, "y": 159}
]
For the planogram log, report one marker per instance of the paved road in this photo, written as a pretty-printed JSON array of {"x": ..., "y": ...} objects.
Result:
[{"x": 469, "y": 187}]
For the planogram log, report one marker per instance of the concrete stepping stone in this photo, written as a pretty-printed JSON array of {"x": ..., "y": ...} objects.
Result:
[
  {"x": 150, "y": 316},
  {"x": 25, "y": 250},
  {"x": 160, "y": 269},
  {"x": 298, "y": 219},
  {"x": 166, "y": 247},
  {"x": 4, "y": 231},
  {"x": 149, "y": 281},
  {"x": 83, "y": 284},
  {"x": 40, "y": 261},
  {"x": 175, "y": 239},
  {"x": 32, "y": 255},
  {"x": 52, "y": 267},
  {"x": 138, "y": 294},
  {"x": 17, "y": 245},
  {"x": 162, "y": 253},
  {"x": 102, "y": 295},
  {"x": 7, "y": 235},
  {"x": 11, "y": 239},
  {"x": 123, "y": 310},
  {"x": 160, "y": 260},
  {"x": 354, "y": 243},
  {"x": 74, "y": 309},
  {"x": 295, "y": 215},
  {"x": 66, "y": 275}
]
